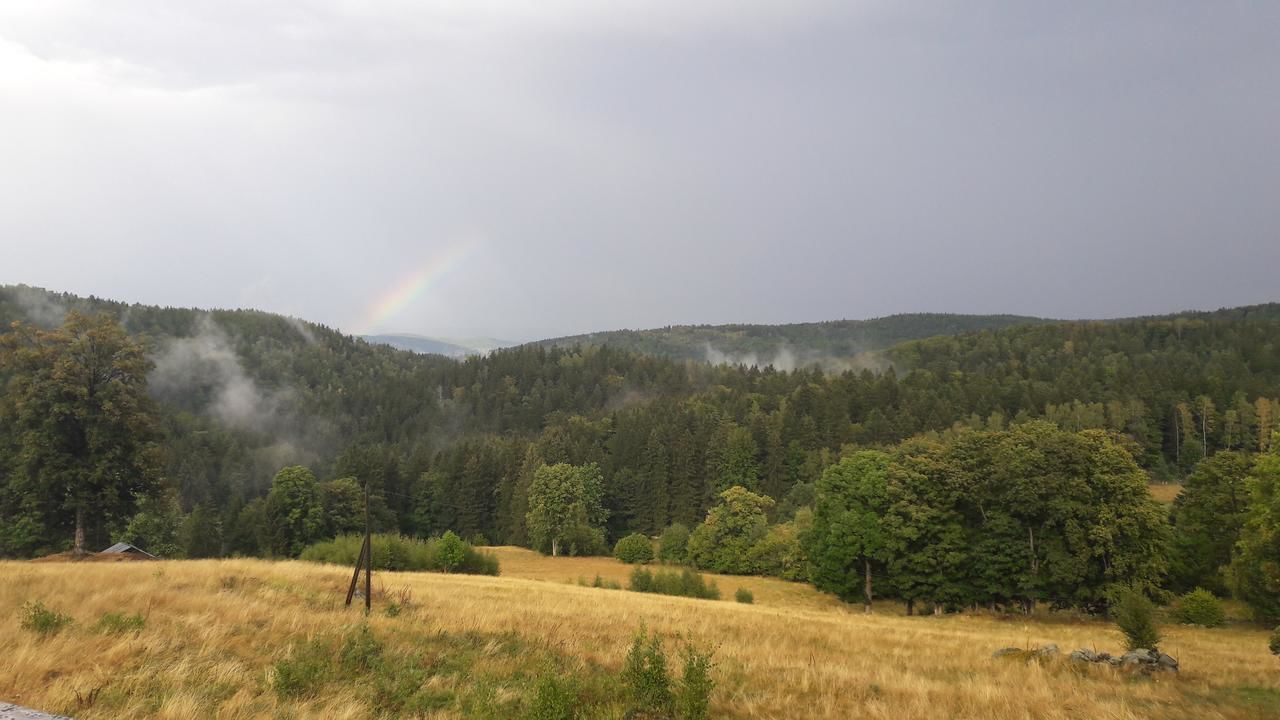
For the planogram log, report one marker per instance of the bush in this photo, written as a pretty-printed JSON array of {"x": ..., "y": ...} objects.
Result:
[
  {"x": 1275, "y": 641},
  {"x": 685, "y": 583},
  {"x": 744, "y": 596},
  {"x": 1200, "y": 607},
  {"x": 634, "y": 548},
  {"x": 693, "y": 697},
  {"x": 1135, "y": 616},
  {"x": 554, "y": 699},
  {"x": 396, "y": 552},
  {"x": 119, "y": 623},
  {"x": 674, "y": 544},
  {"x": 452, "y": 551},
  {"x": 41, "y": 620},
  {"x": 645, "y": 675}
]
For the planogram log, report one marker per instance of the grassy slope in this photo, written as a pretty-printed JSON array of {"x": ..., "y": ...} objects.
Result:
[{"x": 209, "y": 645}]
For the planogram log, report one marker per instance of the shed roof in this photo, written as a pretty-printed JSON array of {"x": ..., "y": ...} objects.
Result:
[{"x": 121, "y": 547}]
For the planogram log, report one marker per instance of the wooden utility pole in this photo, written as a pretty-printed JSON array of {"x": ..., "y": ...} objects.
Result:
[
  {"x": 365, "y": 560},
  {"x": 368, "y": 560}
]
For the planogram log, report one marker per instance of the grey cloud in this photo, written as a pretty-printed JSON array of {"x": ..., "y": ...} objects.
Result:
[{"x": 638, "y": 164}]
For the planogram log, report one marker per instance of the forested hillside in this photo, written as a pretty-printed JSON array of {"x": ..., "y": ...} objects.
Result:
[
  {"x": 832, "y": 344},
  {"x": 455, "y": 444}
]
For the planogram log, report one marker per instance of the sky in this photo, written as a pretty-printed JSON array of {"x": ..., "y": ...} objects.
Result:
[{"x": 533, "y": 169}]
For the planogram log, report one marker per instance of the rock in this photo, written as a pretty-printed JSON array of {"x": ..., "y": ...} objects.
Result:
[
  {"x": 1136, "y": 657},
  {"x": 1084, "y": 655},
  {"x": 1167, "y": 662},
  {"x": 1004, "y": 652},
  {"x": 1047, "y": 651}
]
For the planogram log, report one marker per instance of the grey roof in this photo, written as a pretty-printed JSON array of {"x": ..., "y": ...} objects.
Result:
[{"x": 121, "y": 547}]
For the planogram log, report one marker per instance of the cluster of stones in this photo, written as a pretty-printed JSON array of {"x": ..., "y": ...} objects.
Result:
[{"x": 1141, "y": 660}]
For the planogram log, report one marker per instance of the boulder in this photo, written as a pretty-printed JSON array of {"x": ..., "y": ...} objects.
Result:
[
  {"x": 1047, "y": 651},
  {"x": 1084, "y": 655}
]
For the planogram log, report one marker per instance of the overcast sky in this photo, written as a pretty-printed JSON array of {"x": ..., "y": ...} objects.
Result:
[{"x": 526, "y": 169}]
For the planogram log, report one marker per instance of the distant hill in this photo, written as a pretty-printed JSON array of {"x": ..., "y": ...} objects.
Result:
[
  {"x": 792, "y": 345},
  {"x": 449, "y": 347}
]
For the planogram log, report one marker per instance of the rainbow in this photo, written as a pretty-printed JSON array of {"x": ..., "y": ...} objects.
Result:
[{"x": 413, "y": 285}]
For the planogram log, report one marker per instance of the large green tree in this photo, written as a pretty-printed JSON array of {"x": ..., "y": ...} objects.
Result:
[
  {"x": 81, "y": 426},
  {"x": 723, "y": 542},
  {"x": 847, "y": 538},
  {"x": 564, "y": 507},
  {"x": 295, "y": 511},
  {"x": 1255, "y": 569},
  {"x": 1207, "y": 517}
]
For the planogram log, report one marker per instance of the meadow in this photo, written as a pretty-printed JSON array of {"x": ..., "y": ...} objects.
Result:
[{"x": 250, "y": 639}]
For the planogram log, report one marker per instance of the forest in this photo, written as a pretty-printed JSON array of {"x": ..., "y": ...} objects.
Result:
[{"x": 250, "y": 415}]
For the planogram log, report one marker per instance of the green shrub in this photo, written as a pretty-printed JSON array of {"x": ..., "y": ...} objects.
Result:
[
  {"x": 744, "y": 595},
  {"x": 120, "y": 623},
  {"x": 674, "y": 543},
  {"x": 304, "y": 671},
  {"x": 396, "y": 552},
  {"x": 1275, "y": 641},
  {"x": 1200, "y": 607},
  {"x": 361, "y": 651},
  {"x": 553, "y": 699},
  {"x": 693, "y": 697},
  {"x": 41, "y": 620},
  {"x": 686, "y": 583},
  {"x": 634, "y": 548},
  {"x": 452, "y": 551},
  {"x": 1135, "y": 616},
  {"x": 645, "y": 675}
]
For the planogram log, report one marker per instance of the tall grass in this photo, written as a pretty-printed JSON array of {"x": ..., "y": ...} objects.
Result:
[{"x": 396, "y": 552}]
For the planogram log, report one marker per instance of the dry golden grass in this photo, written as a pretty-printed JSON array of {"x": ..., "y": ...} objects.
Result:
[
  {"x": 209, "y": 644},
  {"x": 1164, "y": 492}
]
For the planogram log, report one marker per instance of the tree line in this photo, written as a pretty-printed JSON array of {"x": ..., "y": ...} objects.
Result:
[{"x": 449, "y": 445}]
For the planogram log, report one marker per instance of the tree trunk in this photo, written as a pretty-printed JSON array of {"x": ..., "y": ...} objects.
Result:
[
  {"x": 866, "y": 587},
  {"x": 937, "y": 610},
  {"x": 555, "y": 547},
  {"x": 79, "y": 531},
  {"x": 911, "y": 608}
]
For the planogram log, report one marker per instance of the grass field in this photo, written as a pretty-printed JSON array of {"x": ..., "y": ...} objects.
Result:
[
  {"x": 1165, "y": 493},
  {"x": 219, "y": 637}
]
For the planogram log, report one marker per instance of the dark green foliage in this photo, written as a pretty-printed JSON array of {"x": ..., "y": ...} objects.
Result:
[
  {"x": 41, "y": 620},
  {"x": 685, "y": 583},
  {"x": 78, "y": 432},
  {"x": 645, "y": 676},
  {"x": 295, "y": 511},
  {"x": 1135, "y": 616},
  {"x": 1200, "y": 607},
  {"x": 361, "y": 651},
  {"x": 744, "y": 596},
  {"x": 395, "y": 552},
  {"x": 1003, "y": 520},
  {"x": 634, "y": 548},
  {"x": 838, "y": 338},
  {"x": 848, "y": 535},
  {"x": 1274, "y": 644},
  {"x": 673, "y": 544},
  {"x": 1207, "y": 518},
  {"x": 120, "y": 623},
  {"x": 693, "y": 695},
  {"x": 1255, "y": 569}
]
